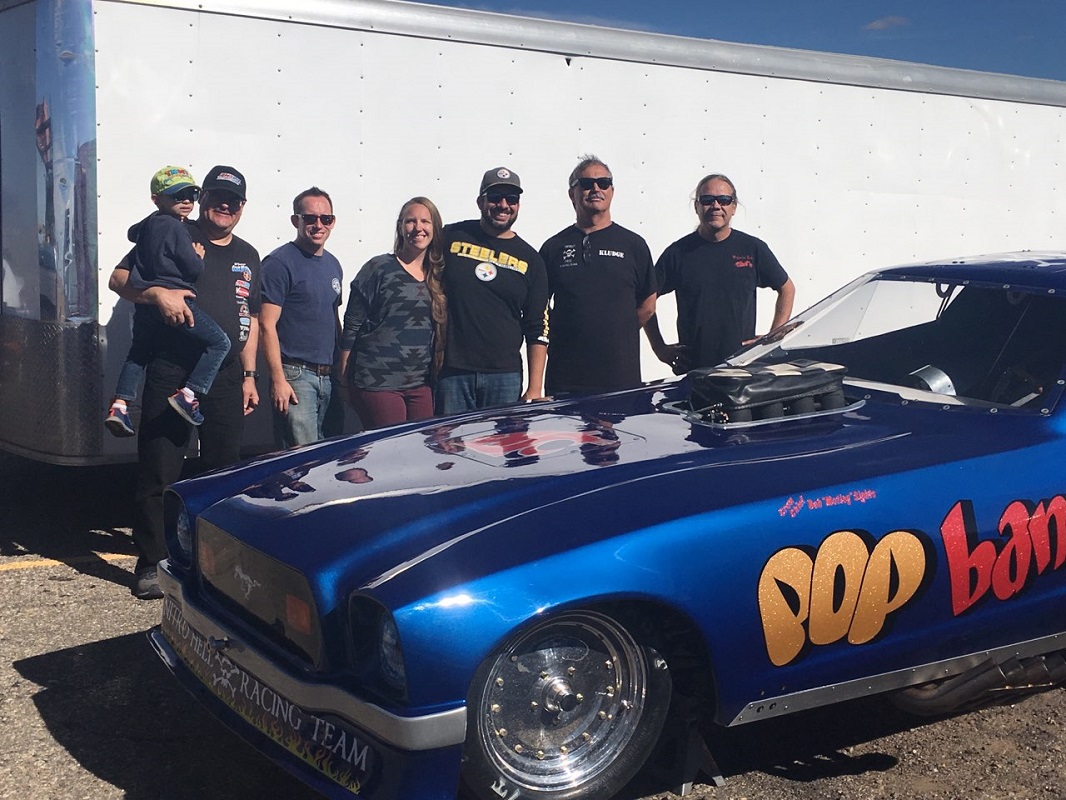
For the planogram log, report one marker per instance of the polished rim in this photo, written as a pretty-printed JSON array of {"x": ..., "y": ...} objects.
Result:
[{"x": 562, "y": 700}]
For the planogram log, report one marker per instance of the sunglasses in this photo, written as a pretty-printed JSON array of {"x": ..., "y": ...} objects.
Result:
[
  {"x": 496, "y": 197},
  {"x": 186, "y": 196},
  {"x": 311, "y": 219},
  {"x": 218, "y": 197},
  {"x": 587, "y": 183},
  {"x": 721, "y": 199}
]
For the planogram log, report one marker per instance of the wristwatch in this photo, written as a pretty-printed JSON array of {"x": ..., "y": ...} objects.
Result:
[{"x": 249, "y": 373}]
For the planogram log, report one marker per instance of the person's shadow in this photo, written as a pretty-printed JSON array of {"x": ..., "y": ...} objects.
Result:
[
  {"x": 79, "y": 516},
  {"x": 115, "y": 708}
]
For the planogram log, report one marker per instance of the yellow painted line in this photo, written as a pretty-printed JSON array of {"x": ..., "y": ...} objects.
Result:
[{"x": 51, "y": 562}]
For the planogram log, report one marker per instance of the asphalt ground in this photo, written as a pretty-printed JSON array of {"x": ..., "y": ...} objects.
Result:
[{"x": 88, "y": 711}]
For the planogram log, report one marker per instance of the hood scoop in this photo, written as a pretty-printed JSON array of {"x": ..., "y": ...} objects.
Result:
[{"x": 731, "y": 397}]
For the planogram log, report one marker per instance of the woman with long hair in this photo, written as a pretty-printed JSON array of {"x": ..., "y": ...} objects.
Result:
[{"x": 392, "y": 343}]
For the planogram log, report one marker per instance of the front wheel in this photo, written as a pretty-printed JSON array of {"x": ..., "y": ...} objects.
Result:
[{"x": 570, "y": 708}]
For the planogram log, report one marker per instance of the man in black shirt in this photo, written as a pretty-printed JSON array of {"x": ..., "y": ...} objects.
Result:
[
  {"x": 715, "y": 271},
  {"x": 497, "y": 297},
  {"x": 603, "y": 284},
  {"x": 228, "y": 290}
]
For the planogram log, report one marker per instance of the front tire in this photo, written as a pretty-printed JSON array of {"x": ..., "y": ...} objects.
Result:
[{"x": 570, "y": 708}]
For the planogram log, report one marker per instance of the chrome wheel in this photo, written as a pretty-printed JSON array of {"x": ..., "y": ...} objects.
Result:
[{"x": 569, "y": 708}]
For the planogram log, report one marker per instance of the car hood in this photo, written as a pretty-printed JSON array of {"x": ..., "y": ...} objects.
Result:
[{"x": 456, "y": 498}]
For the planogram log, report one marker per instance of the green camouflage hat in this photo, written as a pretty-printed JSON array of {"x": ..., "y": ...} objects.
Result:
[{"x": 171, "y": 180}]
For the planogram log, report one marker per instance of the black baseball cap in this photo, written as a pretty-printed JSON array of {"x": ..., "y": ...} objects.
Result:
[
  {"x": 500, "y": 176},
  {"x": 225, "y": 179}
]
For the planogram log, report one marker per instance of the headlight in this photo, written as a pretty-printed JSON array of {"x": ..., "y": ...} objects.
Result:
[
  {"x": 390, "y": 656},
  {"x": 183, "y": 529},
  {"x": 178, "y": 524},
  {"x": 376, "y": 652}
]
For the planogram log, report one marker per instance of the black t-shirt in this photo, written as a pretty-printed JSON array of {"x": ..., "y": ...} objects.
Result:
[
  {"x": 715, "y": 284},
  {"x": 227, "y": 290},
  {"x": 497, "y": 296},
  {"x": 597, "y": 281}
]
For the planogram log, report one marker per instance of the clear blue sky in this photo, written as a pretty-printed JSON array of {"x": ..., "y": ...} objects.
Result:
[{"x": 1018, "y": 37}]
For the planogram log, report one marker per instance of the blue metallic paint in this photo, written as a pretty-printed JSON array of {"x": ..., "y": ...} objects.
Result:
[{"x": 470, "y": 528}]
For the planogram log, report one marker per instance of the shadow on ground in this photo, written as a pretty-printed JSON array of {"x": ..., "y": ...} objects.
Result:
[
  {"x": 137, "y": 729},
  {"x": 802, "y": 747},
  {"x": 67, "y": 513}
]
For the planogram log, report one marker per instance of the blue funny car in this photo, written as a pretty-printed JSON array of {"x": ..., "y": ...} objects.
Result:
[{"x": 524, "y": 601}]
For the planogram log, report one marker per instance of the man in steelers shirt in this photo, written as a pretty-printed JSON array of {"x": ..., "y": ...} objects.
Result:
[
  {"x": 497, "y": 295},
  {"x": 602, "y": 281},
  {"x": 228, "y": 290}
]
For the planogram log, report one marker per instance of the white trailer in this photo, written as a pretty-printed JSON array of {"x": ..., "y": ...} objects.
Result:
[{"x": 842, "y": 163}]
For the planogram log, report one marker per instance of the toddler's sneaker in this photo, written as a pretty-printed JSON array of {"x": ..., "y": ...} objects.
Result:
[
  {"x": 189, "y": 409},
  {"x": 118, "y": 422}
]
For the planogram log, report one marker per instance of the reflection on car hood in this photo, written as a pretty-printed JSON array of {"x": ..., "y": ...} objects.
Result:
[{"x": 483, "y": 485}]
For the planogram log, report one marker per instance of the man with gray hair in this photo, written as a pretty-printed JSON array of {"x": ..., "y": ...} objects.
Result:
[
  {"x": 716, "y": 271},
  {"x": 602, "y": 279}
]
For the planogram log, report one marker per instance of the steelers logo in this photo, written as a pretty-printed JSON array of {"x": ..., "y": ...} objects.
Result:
[{"x": 485, "y": 271}]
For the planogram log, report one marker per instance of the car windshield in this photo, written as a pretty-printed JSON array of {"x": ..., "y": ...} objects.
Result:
[{"x": 958, "y": 343}]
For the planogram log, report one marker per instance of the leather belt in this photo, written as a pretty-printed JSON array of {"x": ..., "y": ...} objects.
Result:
[{"x": 319, "y": 369}]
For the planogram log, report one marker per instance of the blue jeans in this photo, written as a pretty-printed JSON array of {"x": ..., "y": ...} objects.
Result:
[
  {"x": 147, "y": 322},
  {"x": 458, "y": 391},
  {"x": 302, "y": 423}
]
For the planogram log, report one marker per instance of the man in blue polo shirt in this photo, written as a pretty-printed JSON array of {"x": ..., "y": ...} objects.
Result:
[{"x": 299, "y": 321}]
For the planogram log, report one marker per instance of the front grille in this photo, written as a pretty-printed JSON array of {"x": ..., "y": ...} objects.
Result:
[{"x": 268, "y": 595}]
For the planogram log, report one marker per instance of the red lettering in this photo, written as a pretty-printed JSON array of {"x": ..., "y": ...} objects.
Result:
[
  {"x": 1033, "y": 540},
  {"x": 1047, "y": 520},
  {"x": 970, "y": 570},
  {"x": 1012, "y": 565},
  {"x": 1036, "y": 524}
]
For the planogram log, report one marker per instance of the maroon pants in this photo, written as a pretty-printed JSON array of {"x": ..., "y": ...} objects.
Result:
[{"x": 380, "y": 407}]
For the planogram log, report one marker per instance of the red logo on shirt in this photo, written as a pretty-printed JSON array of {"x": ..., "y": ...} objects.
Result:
[{"x": 743, "y": 262}]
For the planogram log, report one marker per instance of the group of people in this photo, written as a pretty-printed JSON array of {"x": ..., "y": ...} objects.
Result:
[{"x": 436, "y": 326}]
